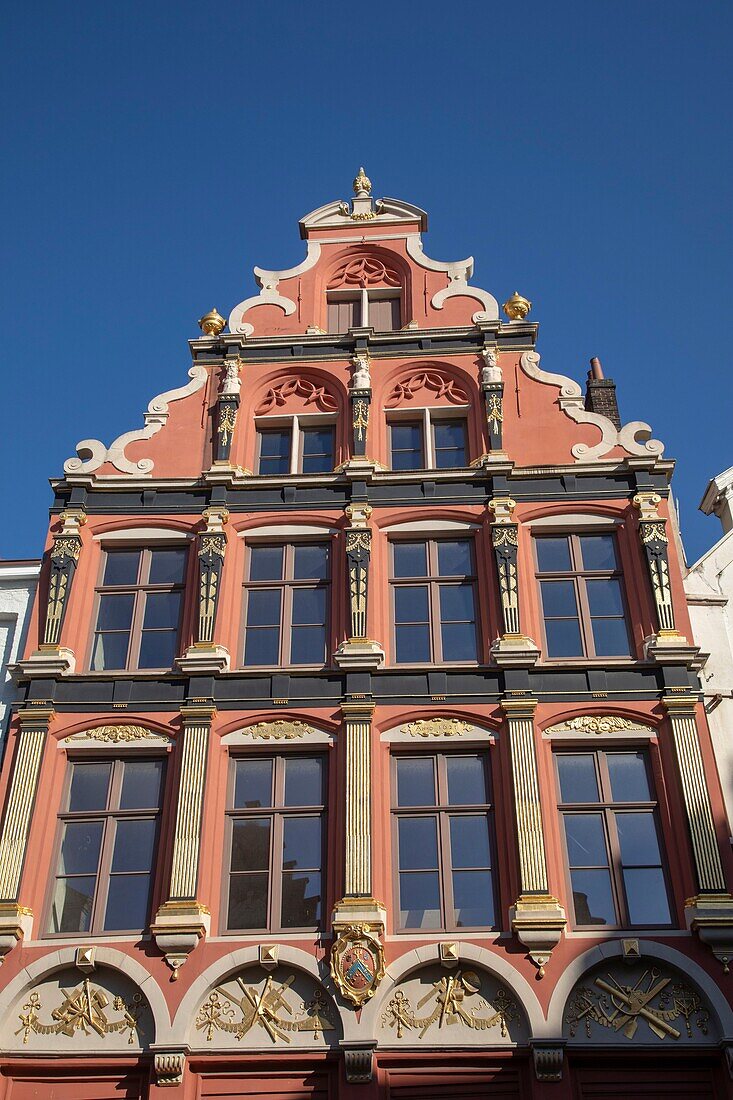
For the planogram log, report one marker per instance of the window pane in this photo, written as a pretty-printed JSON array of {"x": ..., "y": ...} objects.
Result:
[
  {"x": 162, "y": 610},
  {"x": 252, "y": 784},
  {"x": 248, "y": 901},
  {"x": 410, "y": 559},
  {"x": 418, "y": 843},
  {"x": 637, "y": 836},
  {"x": 301, "y": 843},
  {"x": 80, "y": 848},
  {"x": 456, "y": 603},
  {"x": 420, "y": 900},
  {"x": 110, "y": 651},
  {"x": 72, "y": 905},
  {"x": 646, "y": 896},
  {"x": 450, "y": 443},
  {"x": 308, "y": 645},
  {"x": 167, "y": 566},
  {"x": 553, "y": 555},
  {"x": 311, "y": 562},
  {"x": 629, "y": 779},
  {"x": 141, "y": 785},
  {"x": 121, "y": 567},
  {"x": 115, "y": 612},
  {"x": 317, "y": 450},
  {"x": 275, "y": 451},
  {"x": 459, "y": 642},
  {"x": 472, "y": 899},
  {"x": 455, "y": 558},
  {"x": 303, "y": 781},
  {"x": 406, "y": 446},
  {"x": 598, "y": 552},
  {"x": 586, "y": 840},
  {"x": 158, "y": 649},
  {"x": 263, "y": 607},
  {"x": 251, "y": 844},
  {"x": 558, "y": 599},
  {"x": 469, "y": 840},
  {"x": 610, "y": 637},
  {"x": 301, "y": 902},
  {"x": 412, "y": 644},
  {"x": 563, "y": 638},
  {"x": 411, "y": 604},
  {"x": 384, "y": 314},
  {"x": 309, "y": 606},
  {"x": 592, "y": 897},
  {"x": 262, "y": 646},
  {"x": 134, "y": 846},
  {"x": 265, "y": 563},
  {"x": 466, "y": 781},
  {"x": 416, "y": 781},
  {"x": 578, "y": 782},
  {"x": 604, "y": 597},
  {"x": 127, "y": 903},
  {"x": 89, "y": 785},
  {"x": 343, "y": 314}
]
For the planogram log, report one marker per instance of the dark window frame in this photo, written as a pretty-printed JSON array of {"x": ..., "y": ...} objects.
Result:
[
  {"x": 140, "y": 590},
  {"x": 579, "y": 576},
  {"x": 286, "y": 585},
  {"x": 608, "y": 810},
  {"x": 426, "y": 418},
  {"x": 277, "y": 812},
  {"x": 433, "y": 581},
  {"x": 296, "y": 425},
  {"x": 442, "y": 811},
  {"x": 109, "y": 816}
]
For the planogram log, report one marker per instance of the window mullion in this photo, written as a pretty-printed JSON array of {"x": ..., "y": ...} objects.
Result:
[
  {"x": 428, "y": 448},
  {"x": 446, "y": 876},
  {"x": 104, "y": 865},
  {"x": 295, "y": 444},
  {"x": 276, "y": 870}
]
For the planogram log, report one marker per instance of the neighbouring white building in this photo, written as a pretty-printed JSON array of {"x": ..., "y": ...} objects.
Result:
[
  {"x": 709, "y": 586},
  {"x": 18, "y": 583}
]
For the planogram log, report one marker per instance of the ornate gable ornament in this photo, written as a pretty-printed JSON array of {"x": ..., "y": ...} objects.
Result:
[
  {"x": 599, "y": 724},
  {"x": 118, "y": 735}
]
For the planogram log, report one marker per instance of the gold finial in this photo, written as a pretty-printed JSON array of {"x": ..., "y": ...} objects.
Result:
[
  {"x": 212, "y": 323},
  {"x": 517, "y": 307},
  {"x": 362, "y": 183}
]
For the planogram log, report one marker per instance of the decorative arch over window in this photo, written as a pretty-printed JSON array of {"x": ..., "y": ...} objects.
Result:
[
  {"x": 363, "y": 271},
  {"x": 427, "y": 417},
  {"x": 295, "y": 421},
  {"x": 115, "y": 737},
  {"x": 429, "y": 384},
  {"x": 366, "y": 288},
  {"x": 297, "y": 391}
]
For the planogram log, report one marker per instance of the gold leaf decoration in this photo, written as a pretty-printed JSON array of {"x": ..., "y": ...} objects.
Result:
[
  {"x": 437, "y": 727},
  {"x": 118, "y": 735}
]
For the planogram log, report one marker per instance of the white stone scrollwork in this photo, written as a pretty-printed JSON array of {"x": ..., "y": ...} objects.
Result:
[
  {"x": 97, "y": 454},
  {"x": 269, "y": 294},
  {"x": 634, "y": 437},
  {"x": 458, "y": 272}
]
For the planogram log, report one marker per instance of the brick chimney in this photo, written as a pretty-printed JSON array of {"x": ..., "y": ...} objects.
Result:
[{"x": 600, "y": 393}]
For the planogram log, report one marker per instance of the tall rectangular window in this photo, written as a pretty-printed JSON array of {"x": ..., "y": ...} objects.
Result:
[
  {"x": 286, "y": 604},
  {"x": 443, "y": 838},
  {"x": 277, "y": 831},
  {"x": 434, "y": 600},
  {"x": 614, "y": 858},
  {"x": 139, "y": 609},
  {"x": 106, "y": 855},
  {"x": 582, "y": 596},
  {"x": 428, "y": 442},
  {"x": 298, "y": 447}
]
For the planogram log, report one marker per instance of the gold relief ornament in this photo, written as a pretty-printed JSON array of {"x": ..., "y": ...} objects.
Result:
[
  {"x": 118, "y": 735},
  {"x": 653, "y": 999},
  {"x": 212, "y": 323},
  {"x": 454, "y": 999},
  {"x": 82, "y": 1010},
  {"x": 361, "y": 417},
  {"x": 279, "y": 730},
  {"x": 362, "y": 183},
  {"x": 227, "y": 424},
  {"x": 517, "y": 307},
  {"x": 357, "y": 963},
  {"x": 265, "y": 1007},
  {"x": 597, "y": 723},
  {"x": 437, "y": 727}
]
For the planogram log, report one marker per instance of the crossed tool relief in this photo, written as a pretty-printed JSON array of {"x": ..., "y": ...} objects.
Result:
[
  {"x": 654, "y": 999},
  {"x": 263, "y": 1007}
]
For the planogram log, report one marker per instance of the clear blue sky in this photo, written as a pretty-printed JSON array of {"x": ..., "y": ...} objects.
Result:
[{"x": 154, "y": 153}]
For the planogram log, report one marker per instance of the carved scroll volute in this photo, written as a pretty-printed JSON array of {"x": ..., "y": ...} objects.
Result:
[
  {"x": 227, "y": 410},
  {"x": 358, "y": 553},
  {"x": 505, "y": 542},
  {"x": 211, "y": 551},
  {"x": 492, "y": 386},
  {"x": 64, "y": 557},
  {"x": 360, "y": 393},
  {"x": 653, "y": 535}
]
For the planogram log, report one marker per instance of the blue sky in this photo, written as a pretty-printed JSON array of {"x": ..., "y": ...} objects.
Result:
[{"x": 156, "y": 152}]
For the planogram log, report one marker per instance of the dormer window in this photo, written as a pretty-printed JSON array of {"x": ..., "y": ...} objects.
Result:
[{"x": 378, "y": 309}]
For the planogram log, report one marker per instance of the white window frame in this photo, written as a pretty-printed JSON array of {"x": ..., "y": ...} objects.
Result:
[
  {"x": 349, "y": 294},
  {"x": 296, "y": 423},
  {"x": 427, "y": 414}
]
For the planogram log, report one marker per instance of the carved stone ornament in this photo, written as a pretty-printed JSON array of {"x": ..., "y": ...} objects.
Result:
[
  {"x": 283, "y": 730},
  {"x": 118, "y": 735},
  {"x": 454, "y": 999},
  {"x": 169, "y": 1068},
  {"x": 636, "y": 1004},
  {"x": 357, "y": 963},
  {"x": 437, "y": 727},
  {"x": 277, "y": 396},
  {"x": 364, "y": 271},
  {"x": 596, "y": 723},
  {"x": 83, "y": 1011},
  {"x": 266, "y": 1009},
  {"x": 439, "y": 385}
]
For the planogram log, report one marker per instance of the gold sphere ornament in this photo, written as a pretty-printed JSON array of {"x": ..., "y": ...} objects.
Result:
[
  {"x": 362, "y": 183},
  {"x": 212, "y": 323},
  {"x": 517, "y": 307}
]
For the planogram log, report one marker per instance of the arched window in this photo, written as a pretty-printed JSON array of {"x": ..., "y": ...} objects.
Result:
[{"x": 363, "y": 292}]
